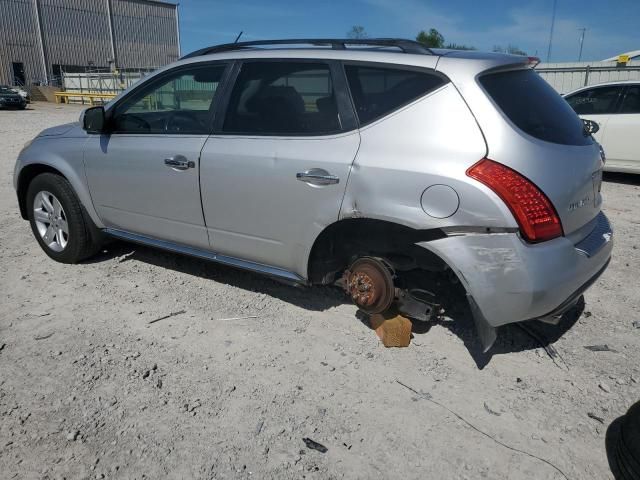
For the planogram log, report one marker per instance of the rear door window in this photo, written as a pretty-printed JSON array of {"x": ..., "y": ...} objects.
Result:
[
  {"x": 535, "y": 107},
  {"x": 631, "y": 102},
  {"x": 595, "y": 101},
  {"x": 378, "y": 91},
  {"x": 283, "y": 98}
]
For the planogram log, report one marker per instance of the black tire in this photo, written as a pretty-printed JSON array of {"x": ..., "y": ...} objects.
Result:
[{"x": 83, "y": 240}]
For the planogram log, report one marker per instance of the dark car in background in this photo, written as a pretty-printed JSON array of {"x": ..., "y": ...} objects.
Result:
[{"x": 9, "y": 98}]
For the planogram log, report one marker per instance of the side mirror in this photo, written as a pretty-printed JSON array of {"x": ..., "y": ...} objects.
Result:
[
  {"x": 94, "y": 120},
  {"x": 590, "y": 127}
]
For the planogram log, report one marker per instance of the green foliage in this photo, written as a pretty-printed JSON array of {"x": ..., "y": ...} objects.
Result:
[
  {"x": 357, "y": 31},
  {"x": 432, "y": 39}
]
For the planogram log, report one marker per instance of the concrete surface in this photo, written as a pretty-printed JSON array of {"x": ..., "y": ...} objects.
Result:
[{"x": 90, "y": 389}]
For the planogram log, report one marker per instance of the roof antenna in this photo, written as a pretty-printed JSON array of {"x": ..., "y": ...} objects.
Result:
[{"x": 238, "y": 37}]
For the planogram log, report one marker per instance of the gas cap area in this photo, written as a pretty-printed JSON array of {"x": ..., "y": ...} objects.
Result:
[{"x": 440, "y": 201}]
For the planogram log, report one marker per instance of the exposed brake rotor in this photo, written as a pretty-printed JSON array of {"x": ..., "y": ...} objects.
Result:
[{"x": 369, "y": 283}]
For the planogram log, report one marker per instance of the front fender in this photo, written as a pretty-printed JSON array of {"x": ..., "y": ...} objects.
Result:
[{"x": 64, "y": 155}]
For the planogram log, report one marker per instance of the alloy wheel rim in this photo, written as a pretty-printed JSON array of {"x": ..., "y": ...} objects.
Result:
[{"x": 51, "y": 221}]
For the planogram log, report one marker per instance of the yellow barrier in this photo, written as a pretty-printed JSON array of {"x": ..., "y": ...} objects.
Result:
[{"x": 63, "y": 97}]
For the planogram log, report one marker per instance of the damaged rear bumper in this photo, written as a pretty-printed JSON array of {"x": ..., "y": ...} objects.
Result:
[{"x": 508, "y": 280}]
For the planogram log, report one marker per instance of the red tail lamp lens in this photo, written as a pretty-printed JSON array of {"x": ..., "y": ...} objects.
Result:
[{"x": 533, "y": 211}]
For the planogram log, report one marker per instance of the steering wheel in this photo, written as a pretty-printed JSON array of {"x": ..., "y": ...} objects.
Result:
[
  {"x": 182, "y": 122},
  {"x": 135, "y": 123}
]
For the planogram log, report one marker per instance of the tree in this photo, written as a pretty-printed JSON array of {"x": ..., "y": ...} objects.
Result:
[
  {"x": 433, "y": 39},
  {"x": 357, "y": 31}
]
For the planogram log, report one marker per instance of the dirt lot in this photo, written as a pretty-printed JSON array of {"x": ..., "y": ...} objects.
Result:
[{"x": 90, "y": 389}]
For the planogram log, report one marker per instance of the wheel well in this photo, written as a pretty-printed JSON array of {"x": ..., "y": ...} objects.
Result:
[
  {"x": 340, "y": 243},
  {"x": 27, "y": 174}
]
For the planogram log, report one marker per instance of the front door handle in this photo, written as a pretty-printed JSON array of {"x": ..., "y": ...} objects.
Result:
[
  {"x": 317, "y": 176},
  {"x": 179, "y": 162}
]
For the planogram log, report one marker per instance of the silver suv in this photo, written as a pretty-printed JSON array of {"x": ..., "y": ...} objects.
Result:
[{"x": 370, "y": 164}]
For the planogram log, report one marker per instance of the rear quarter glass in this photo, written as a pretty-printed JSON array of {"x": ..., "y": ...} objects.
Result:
[
  {"x": 533, "y": 106},
  {"x": 379, "y": 90}
]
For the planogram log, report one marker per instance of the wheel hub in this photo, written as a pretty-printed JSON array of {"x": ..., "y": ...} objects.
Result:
[
  {"x": 369, "y": 283},
  {"x": 51, "y": 221}
]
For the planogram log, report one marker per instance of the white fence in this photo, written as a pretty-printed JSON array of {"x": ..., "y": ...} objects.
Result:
[
  {"x": 100, "y": 82},
  {"x": 565, "y": 77}
]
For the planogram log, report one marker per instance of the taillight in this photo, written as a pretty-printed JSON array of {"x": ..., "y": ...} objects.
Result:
[{"x": 536, "y": 216}]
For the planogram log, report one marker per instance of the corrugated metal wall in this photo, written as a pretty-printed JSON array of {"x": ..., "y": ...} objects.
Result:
[
  {"x": 19, "y": 40},
  {"x": 145, "y": 33},
  {"x": 77, "y": 33}
]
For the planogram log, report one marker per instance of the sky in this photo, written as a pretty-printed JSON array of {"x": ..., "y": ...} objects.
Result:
[{"x": 613, "y": 26}]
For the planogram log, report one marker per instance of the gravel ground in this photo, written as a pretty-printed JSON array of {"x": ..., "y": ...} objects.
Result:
[{"x": 90, "y": 389}]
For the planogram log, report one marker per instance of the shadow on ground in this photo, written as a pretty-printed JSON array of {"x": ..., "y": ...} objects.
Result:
[
  {"x": 622, "y": 178},
  {"x": 511, "y": 338},
  {"x": 314, "y": 299}
]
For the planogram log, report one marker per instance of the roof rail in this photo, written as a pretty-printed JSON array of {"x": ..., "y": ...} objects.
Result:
[{"x": 406, "y": 46}]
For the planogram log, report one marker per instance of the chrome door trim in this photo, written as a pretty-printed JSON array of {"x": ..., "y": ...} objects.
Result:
[
  {"x": 275, "y": 272},
  {"x": 179, "y": 162}
]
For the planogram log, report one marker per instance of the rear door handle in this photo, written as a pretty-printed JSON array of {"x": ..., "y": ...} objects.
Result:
[
  {"x": 317, "y": 176},
  {"x": 179, "y": 162}
]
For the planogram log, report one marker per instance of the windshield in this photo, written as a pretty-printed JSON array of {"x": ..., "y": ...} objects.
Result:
[{"x": 535, "y": 107}]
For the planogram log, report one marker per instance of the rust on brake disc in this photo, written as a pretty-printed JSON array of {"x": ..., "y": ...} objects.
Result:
[
  {"x": 362, "y": 289},
  {"x": 369, "y": 284}
]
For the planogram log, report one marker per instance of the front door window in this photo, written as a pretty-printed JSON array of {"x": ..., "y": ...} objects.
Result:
[
  {"x": 181, "y": 103},
  {"x": 595, "y": 101}
]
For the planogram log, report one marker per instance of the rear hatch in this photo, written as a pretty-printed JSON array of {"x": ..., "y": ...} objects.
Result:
[{"x": 536, "y": 133}]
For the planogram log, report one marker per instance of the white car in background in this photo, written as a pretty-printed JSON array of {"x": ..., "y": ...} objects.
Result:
[{"x": 615, "y": 107}]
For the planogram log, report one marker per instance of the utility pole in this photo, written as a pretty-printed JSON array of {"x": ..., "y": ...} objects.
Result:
[
  {"x": 583, "y": 30},
  {"x": 553, "y": 21}
]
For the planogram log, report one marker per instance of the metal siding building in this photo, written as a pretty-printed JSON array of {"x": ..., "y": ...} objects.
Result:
[
  {"x": 137, "y": 23},
  {"x": 19, "y": 40},
  {"x": 39, "y": 38}
]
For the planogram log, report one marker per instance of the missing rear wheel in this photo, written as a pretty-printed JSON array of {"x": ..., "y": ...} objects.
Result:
[{"x": 369, "y": 283}]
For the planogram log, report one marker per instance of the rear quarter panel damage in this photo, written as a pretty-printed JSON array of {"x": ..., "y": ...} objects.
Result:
[{"x": 429, "y": 142}]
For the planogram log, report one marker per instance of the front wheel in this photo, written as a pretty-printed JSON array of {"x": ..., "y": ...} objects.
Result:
[{"x": 57, "y": 221}]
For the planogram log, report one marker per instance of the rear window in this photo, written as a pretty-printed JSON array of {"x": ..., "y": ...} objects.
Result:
[
  {"x": 283, "y": 98},
  {"x": 535, "y": 107},
  {"x": 378, "y": 91}
]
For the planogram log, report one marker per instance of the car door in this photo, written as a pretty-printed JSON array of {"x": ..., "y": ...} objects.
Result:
[
  {"x": 622, "y": 138},
  {"x": 144, "y": 174},
  {"x": 597, "y": 104},
  {"x": 274, "y": 173}
]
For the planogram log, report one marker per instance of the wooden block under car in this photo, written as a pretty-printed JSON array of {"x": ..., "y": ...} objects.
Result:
[{"x": 394, "y": 330}]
